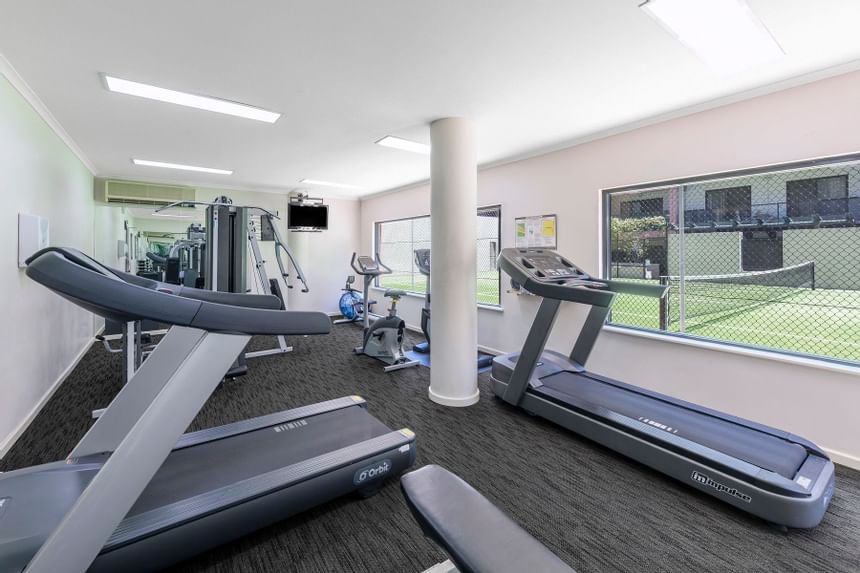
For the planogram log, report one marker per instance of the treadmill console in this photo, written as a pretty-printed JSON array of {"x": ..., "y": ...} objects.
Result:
[
  {"x": 546, "y": 264},
  {"x": 546, "y": 273}
]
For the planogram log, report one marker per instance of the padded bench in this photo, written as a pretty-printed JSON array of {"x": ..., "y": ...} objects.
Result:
[{"x": 478, "y": 536}]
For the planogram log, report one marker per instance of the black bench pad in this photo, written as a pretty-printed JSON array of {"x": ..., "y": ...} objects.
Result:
[{"x": 478, "y": 537}]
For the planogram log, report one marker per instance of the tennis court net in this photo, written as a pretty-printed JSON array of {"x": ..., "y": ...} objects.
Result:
[{"x": 709, "y": 295}]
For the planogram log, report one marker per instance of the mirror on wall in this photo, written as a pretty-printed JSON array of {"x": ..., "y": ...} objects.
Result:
[{"x": 163, "y": 245}]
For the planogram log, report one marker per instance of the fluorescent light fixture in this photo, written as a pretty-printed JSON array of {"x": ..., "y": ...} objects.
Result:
[
  {"x": 404, "y": 144},
  {"x": 173, "y": 216},
  {"x": 182, "y": 167},
  {"x": 328, "y": 184},
  {"x": 190, "y": 100},
  {"x": 726, "y": 34}
]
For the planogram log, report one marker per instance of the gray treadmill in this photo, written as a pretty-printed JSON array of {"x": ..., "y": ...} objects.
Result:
[
  {"x": 767, "y": 472},
  {"x": 136, "y": 494}
]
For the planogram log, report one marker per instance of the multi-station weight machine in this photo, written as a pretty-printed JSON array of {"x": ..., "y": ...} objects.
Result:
[
  {"x": 231, "y": 237},
  {"x": 220, "y": 254},
  {"x": 222, "y": 259}
]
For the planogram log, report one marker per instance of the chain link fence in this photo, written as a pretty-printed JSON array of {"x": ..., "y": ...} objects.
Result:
[
  {"x": 770, "y": 260},
  {"x": 397, "y": 242}
]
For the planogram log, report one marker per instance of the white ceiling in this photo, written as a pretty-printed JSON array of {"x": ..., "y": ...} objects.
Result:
[{"x": 532, "y": 74}]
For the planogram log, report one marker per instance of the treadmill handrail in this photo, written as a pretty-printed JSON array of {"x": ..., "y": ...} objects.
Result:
[
  {"x": 249, "y": 300},
  {"x": 104, "y": 292}
]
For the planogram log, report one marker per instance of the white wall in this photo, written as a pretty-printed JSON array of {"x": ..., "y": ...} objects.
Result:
[
  {"x": 43, "y": 333},
  {"x": 324, "y": 256},
  {"x": 108, "y": 228},
  {"x": 814, "y": 120},
  {"x": 163, "y": 225}
]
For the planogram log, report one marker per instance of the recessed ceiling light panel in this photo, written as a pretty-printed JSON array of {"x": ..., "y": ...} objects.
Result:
[
  {"x": 173, "y": 216},
  {"x": 726, "y": 34},
  {"x": 328, "y": 184},
  {"x": 148, "y": 163},
  {"x": 189, "y": 100},
  {"x": 404, "y": 144}
]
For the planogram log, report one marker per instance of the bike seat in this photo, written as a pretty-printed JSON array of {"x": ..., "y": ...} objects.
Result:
[{"x": 394, "y": 293}]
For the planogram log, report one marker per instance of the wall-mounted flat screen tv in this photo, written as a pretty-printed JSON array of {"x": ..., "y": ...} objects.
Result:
[{"x": 307, "y": 217}]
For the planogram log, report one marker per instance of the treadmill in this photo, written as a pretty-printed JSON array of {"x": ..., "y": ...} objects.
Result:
[
  {"x": 767, "y": 472},
  {"x": 136, "y": 494}
]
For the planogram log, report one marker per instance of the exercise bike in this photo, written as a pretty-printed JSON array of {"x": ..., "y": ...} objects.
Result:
[
  {"x": 352, "y": 304},
  {"x": 383, "y": 339}
]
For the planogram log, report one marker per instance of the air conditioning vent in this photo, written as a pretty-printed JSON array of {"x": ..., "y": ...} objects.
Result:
[{"x": 134, "y": 193}]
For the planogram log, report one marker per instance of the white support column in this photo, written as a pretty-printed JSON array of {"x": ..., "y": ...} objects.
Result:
[{"x": 453, "y": 260}]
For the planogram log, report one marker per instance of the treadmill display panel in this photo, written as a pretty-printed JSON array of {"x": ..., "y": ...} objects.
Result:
[{"x": 551, "y": 266}]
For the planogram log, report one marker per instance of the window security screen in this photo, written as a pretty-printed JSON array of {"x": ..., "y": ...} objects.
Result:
[{"x": 769, "y": 260}]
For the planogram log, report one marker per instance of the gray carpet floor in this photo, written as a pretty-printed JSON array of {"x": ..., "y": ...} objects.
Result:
[{"x": 595, "y": 509}]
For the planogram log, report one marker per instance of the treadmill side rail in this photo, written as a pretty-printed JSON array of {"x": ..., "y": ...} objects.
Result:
[
  {"x": 395, "y": 449},
  {"x": 791, "y": 511},
  {"x": 242, "y": 426}
]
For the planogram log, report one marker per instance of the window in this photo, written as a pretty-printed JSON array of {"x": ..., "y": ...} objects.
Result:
[
  {"x": 771, "y": 278},
  {"x": 729, "y": 203},
  {"x": 761, "y": 250},
  {"x": 822, "y": 196},
  {"x": 641, "y": 208},
  {"x": 396, "y": 242}
]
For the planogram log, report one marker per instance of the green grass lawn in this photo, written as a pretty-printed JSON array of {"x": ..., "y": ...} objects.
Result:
[
  {"x": 824, "y": 322},
  {"x": 487, "y": 288}
]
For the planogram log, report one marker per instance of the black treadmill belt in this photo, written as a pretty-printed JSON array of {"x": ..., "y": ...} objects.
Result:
[
  {"x": 204, "y": 467},
  {"x": 758, "y": 448}
]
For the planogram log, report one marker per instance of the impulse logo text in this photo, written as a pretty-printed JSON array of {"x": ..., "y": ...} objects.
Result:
[{"x": 705, "y": 480}]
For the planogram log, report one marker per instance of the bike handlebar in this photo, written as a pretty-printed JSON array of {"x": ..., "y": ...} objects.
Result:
[{"x": 382, "y": 270}]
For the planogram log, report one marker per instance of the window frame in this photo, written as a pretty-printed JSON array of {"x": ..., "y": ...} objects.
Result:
[
  {"x": 377, "y": 225},
  {"x": 605, "y": 258},
  {"x": 726, "y": 193},
  {"x": 817, "y": 199}
]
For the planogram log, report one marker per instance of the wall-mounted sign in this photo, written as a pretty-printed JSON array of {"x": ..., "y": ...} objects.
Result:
[{"x": 538, "y": 232}]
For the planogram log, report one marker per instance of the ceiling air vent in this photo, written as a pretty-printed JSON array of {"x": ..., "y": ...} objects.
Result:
[{"x": 133, "y": 193}]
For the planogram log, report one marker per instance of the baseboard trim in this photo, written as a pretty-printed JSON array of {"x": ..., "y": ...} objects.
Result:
[
  {"x": 10, "y": 440},
  {"x": 843, "y": 459},
  {"x": 489, "y": 350}
]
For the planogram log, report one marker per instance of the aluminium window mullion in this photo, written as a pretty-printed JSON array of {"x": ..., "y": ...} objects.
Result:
[{"x": 682, "y": 257}]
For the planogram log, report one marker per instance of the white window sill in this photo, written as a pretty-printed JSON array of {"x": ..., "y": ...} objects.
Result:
[
  {"x": 821, "y": 364},
  {"x": 491, "y": 307}
]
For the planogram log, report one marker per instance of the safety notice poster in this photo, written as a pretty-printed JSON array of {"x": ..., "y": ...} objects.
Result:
[{"x": 538, "y": 232}]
